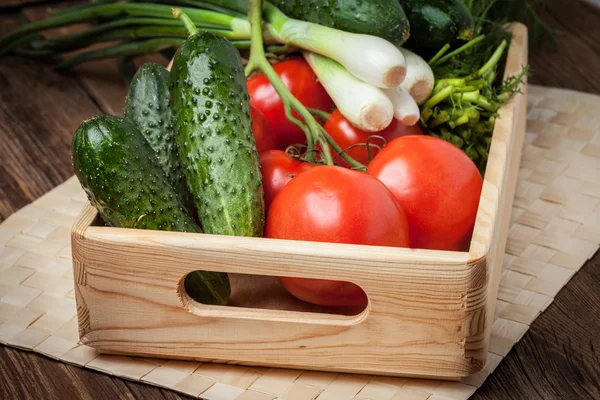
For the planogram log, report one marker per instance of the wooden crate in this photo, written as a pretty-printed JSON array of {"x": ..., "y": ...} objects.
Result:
[{"x": 429, "y": 312}]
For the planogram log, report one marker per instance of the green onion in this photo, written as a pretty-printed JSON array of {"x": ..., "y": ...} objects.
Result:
[
  {"x": 406, "y": 109},
  {"x": 419, "y": 80},
  {"x": 127, "y": 9},
  {"x": 365, "y": 106},
  {"x": 371, "y": 59}
]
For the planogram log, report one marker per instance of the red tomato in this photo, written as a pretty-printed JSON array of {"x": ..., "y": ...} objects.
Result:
[
  {"x": 277, "y": 170},
  {"x": 303, "y": 84},
  {"x": 438, "y": 187},
  {"x": 396, "y": 129},
  {"x": 345, "y": 135},
  {"x": 264, "y": 136},
  {"x": 335, "y": 204}
]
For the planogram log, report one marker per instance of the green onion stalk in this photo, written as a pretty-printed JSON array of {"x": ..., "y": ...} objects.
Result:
[
  {"x": 315, "y": 134},
  {"x": 138, "y": 27}
]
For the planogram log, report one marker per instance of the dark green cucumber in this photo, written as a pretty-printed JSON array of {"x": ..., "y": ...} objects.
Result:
[
  {"x": 211, "y": 118},
  {"x": 147, "y": 106},
  {"x": 433, "y": 23},
  {"x": 118, "y": 171}
]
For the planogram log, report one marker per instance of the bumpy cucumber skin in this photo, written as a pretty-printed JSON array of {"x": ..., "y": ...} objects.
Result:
[
  {"x": 119, "y": 173},
  {"x": 147, "y": 107},
  {"x": 433, "y": 23},
  {"x": 211, "y": 116},
  {"x": 383, "y": 18}
]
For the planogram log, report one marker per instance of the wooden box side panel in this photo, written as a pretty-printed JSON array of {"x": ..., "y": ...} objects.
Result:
[
  {"x": 500, "y": 181},
  {"x": 417, "y": 320}
]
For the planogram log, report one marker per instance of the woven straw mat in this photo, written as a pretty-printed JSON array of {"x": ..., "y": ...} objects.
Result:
[{"x": 555, "y": 229}]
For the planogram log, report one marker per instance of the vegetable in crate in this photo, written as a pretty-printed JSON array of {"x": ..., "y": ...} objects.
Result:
[
  {"x": 122, "y": 179},
  {"x": 437, "y": 186},
  {"x": 464, "y": 104},
  {"x": 355, "y": 141},
  {"x": 211, "y": 116},
  {"x": 263, "y": 133},
  {"x": 277, "y": 170},
  {"x": 383, "y": 18},
  {"x": 147, "y": 107},
  {"x": 303, "y": 84},
  {"x": 433, "y": 23},
  {"x": 365, "y": 212}
]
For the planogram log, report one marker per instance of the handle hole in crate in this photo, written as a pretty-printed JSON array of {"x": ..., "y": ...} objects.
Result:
[{"x": 265, "y": 298}]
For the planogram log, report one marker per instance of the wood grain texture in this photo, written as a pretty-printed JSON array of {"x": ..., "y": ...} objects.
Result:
[
  {"x": 556, "y": 359},
  {"x": 417, "y": 303}
]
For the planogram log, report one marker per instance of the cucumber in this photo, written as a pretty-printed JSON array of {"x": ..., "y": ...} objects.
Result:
[
  {"x": 433, "y": 23},
  {"x": 119, "y": 173},
  {"x": 147, "y": 107},
  {"x": 211, "y": 117}
]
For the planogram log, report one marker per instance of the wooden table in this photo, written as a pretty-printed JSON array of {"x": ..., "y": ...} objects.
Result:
[{"x": 559, "y": 357}]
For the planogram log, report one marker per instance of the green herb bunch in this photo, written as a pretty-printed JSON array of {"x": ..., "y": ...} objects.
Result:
[{"x": 469, "y": 89}]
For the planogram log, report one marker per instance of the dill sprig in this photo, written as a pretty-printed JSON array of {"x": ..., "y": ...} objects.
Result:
[{"x": 468, "y": 93}]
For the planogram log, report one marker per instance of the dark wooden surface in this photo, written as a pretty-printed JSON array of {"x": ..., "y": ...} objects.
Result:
[{"x": 559, "y": 357}]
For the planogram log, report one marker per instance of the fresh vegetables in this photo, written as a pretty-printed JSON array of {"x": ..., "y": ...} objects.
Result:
[
  {"x": 382, "y": 18},
  {"x": 302, "y": 83},
  {"x": 367, "y": 107},
  {"x": 118, "y": 171},
  {"x": 396, "y": 129},
  {"x": 419, "y": 78},
  {"x": 371, "y": 172},
  {"x": 263, "y": 133},
  {"x": 277, "y": 170},
  {"x": 464, "y": 104},
  {"x": 211, "y": 116},
  {"x": 406, "y": 109},
  {"x": 434, "y": 23},
  {"x": 147, "y": 107},
  {"x": 205, "y": 18},
  {"x": 370, "y": 58},
  {"x": 436, "y": 185},
  {"x": 335, "y": 204},
  {"x": 360, "y": 145},
  {"x": 314, "y": 132}
]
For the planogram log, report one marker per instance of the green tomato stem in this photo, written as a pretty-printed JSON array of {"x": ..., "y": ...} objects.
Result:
[
  {"x": 341, "y": 151},
  {"x": 323, "y": 115},
  {"x": 189, "y": 24},
  {"x": 258, "y": 61}
]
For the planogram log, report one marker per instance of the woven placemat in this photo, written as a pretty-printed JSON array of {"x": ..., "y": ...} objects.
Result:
[{"x": 555, "y": 229}]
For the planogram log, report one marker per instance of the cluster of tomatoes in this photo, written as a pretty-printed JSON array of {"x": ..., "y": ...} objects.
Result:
[{"x": 419, "y": 191}]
